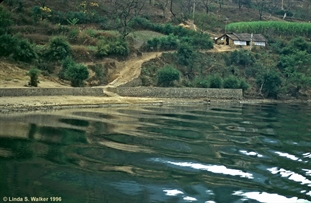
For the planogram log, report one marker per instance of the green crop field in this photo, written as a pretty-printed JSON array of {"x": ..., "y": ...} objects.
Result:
[{"x": 272, "y": 27}]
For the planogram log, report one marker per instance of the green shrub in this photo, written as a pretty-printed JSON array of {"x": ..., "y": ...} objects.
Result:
[
  {"x": 58, "y": 48},
  {"x": 8, "y": 44},
  {"x": 140, "y": 23},
  {"x": 286, "y": 61},
  {"x": 113, "y": 46},
  {"x": 34, "y": 76},
  {"x": 73, "y": 34},
  {"x": 103, "y": 48},
  {"x": 231, "y": 82},
  {"x": 36, "y": 13},
  {"x": 202, "y": 41},
  {"x": 277, "y": 44},
  {"x": 66, "y": 64},
  {"x": 269, "y": 83},
  {"x": 24, "y": 51},
  {"x": 215, "y": 81},
  {"x": 120, "y": 47},
  {"x": 299, "y": 44},
  {"x": 21, "y": 49},
  {"x": 185, "y": 54},
  {"x": 169, "y": 42},
  {"x": 242, "y": 57},
  {"x": 5, "y": 20},
  {"x": 167, "y": 75},
  {"x": 100, "y": 74},
  {"x": 91, "y": 32},
  {"x": 195, "y": 39},
  {"x": 244, "y": 85},
  {"x": 201, "y": 83},
  {"x": 295, "y": 45},
  {"x": 77, "y": 74},
  {"x": 80, "y": 17},
  {"x": 163, "y": 43},
  {"x": 153, "y": 44}
]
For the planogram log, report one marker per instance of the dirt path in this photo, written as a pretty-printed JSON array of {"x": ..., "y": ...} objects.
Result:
[
  {"x": 121, "y": 73},
  {"x": 132, "y": 68},
  {"x": 222, "y": 48}
]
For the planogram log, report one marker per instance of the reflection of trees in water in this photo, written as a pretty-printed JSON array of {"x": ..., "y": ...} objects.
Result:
[{"x": 101, "y": 128}]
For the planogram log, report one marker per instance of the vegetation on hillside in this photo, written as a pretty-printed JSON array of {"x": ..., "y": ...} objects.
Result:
[
  {"x": 284, "y": 70},
  {"x": 56, "y": 37}
]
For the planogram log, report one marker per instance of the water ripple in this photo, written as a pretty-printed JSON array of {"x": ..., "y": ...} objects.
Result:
[{"x": 211, "y": 154}]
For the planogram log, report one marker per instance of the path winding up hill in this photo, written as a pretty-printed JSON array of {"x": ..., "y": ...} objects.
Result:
[{"x": 13, "y": 77}]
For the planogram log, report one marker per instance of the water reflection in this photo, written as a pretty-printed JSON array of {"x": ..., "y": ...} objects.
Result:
[
  {"x": 251, "y": 153},
  {"x": 210, "y": 168},
  {"x": 290, "y": 175},
  {"x": 218, "y": 154},
  {"x": 267, "y": 197}
]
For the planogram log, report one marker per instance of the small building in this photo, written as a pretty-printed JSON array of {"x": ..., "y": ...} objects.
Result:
[{"x": 242, "y": 39}]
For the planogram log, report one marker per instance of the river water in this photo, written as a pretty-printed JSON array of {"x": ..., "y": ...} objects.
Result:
[{"x": 200, "y": 153}]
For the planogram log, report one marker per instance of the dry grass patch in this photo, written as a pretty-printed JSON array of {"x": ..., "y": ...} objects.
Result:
[
  {"x": 37, "y": 38},
  {"x": 85, "y": 39},
  {"x": 82, "y": 53}
]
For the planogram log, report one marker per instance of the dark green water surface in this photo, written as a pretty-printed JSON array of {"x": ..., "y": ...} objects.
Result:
[{"x": 206, "y": 154}]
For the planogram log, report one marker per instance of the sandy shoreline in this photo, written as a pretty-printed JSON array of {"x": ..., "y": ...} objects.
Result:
[{"x": 8, "y": 104}]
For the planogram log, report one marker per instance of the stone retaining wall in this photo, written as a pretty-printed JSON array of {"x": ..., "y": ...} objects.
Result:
[
  {"x": 31, "y": 91},
  {"x": 158, "y": 92},
  {"x": 155, "y": 92}
]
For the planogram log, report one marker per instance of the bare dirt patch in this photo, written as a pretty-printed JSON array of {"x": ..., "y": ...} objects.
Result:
[
  {"x": 12, "y": 76},
  {"x": 222, "y": 48}
]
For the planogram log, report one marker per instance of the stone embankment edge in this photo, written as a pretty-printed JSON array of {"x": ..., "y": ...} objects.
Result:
[
  {"x": 32, "y": 91},
  {"x": 189, "y": 93},
  {"x": 157, "y": 96},
  {"x": 153, "y": 92}
]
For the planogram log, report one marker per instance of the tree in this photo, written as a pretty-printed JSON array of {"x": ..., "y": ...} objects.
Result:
[
  {"x": 241, "y": 3},
  {"x": 186, "y": 7},
  {"x": 220, "y": 3},
  {"x": 261, "y": 6},
  {"x": 269, "y": 83},
  {"x": 124, "y": 11},
  {"x": 171, "y": 8},
  {"x": 77, "y": 74},
  {"x": 206, "y": 4},
  {"x": 167, "y": 75},
  {"x": 41, "y": 2}
]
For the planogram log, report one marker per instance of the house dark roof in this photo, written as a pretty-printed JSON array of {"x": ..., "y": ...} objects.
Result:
[{"x": 246, "y": 37}]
